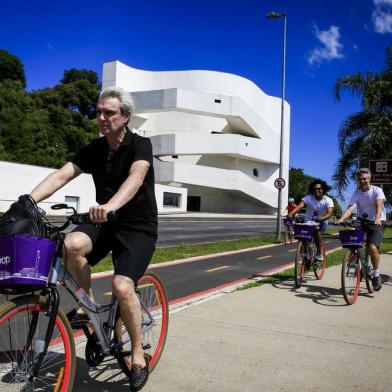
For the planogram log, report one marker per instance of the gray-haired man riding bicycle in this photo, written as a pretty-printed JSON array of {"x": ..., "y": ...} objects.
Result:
[
  {"x": 369, "y": 200},
  {"x": 121, "y": 164}
]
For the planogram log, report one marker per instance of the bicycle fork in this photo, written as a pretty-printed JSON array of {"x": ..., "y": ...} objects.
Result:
[{"x": 53, "y": 306}]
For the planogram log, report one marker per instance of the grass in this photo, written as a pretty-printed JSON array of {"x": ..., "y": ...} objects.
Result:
[{"x": 184, "y": 251}]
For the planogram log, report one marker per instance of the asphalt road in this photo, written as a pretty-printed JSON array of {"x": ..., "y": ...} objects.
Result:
[{"x": 173, "y": 232}]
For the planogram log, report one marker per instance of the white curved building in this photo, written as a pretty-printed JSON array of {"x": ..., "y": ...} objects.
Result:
[{"x": 213, "y": 133}]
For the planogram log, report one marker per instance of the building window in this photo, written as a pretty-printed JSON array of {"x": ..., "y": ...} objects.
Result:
[
  {"x": 218, "y": 101},
  {"x": 72, "y": 201},
  {"x": 255, "y": 172},
  {"x": 171, "y": 199}
]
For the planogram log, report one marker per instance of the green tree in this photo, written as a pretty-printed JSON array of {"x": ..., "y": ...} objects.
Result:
[
  {"x": 11, "y": 68},
  {"x": 367, "y": 134},
  {"x": 46, "y": 127}
]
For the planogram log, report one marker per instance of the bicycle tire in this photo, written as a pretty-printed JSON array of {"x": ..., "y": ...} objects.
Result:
[
  {"x": 153, "y": 295},
  {"x": 319, "y": 268},
  {"x": 350, "y": 277},
  {"x": 367, "y": 269},
  {"x": 57, "y": 371},
  {"x": 286, "y": 235},
  {"x": 291, "y": 234},
  {"x": 299, "y": 265}
]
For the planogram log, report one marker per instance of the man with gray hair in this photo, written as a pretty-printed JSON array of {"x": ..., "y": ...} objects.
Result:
[
  {"x": 369, "y": 200},
  {"x": 121, "y": 164}
]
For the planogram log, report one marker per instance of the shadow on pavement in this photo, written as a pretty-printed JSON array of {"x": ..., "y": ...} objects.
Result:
[{"x": 103, "y": 378}]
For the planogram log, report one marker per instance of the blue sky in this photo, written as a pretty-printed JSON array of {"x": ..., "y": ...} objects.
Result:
[{"x": 325, "y": 39}]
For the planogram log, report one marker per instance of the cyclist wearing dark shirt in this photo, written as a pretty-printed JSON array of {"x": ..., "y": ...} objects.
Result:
[{"x": 121, "y": 164}]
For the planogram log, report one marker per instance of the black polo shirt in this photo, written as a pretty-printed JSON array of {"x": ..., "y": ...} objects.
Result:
[{"x": 110, "y": 168}]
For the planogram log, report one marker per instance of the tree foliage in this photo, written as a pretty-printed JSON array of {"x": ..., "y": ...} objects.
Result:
[
  {"x": 298, "y": 187},
  {"x": 11, "y": 68},
  {"x": 365, "y": 135},
  {"x": 46, "y": 127}
]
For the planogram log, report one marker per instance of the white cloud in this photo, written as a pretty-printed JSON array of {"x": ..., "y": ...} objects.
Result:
[
  {"x": 332, "y": 48},
  {"x": 382, "y": 2},
  {"x": 382, "y": 16}
]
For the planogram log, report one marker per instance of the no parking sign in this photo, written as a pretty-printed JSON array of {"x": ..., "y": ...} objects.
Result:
[{"x": 280, "y": 183}]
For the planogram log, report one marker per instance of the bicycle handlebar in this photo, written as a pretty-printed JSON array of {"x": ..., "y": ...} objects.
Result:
[{"x": 80, "y": 218}]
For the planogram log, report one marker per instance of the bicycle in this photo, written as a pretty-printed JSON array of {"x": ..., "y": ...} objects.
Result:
[
  {"x": 288, "y": 230},
  {"x": 306, "y": 252},
  {"x": 355, "y": 266},
  {"x": 37, "y": 348}
]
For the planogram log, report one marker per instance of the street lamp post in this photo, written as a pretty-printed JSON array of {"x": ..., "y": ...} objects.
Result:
[{"x": 276, "y": 15}]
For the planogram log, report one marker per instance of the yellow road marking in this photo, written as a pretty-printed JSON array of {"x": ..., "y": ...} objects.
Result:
[
  {"x": 292, "y": 250},
  {"x": 108, "y": 293},
  {"x": 264, "y": 257},
  {"x": 217, "y": 268}
]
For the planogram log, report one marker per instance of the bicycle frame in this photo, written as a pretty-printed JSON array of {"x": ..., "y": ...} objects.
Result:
[{"x": 60, "y": 274}]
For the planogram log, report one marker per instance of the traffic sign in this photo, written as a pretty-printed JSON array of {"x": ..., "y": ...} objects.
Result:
[
  {"x": 381, "y": 170},
  {"x": 280, "y": 183}
]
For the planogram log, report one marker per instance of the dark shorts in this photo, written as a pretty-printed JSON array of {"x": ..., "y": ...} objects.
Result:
[
  {"x": 374, "y": 234},
  {"x": 132, "y": 250}
]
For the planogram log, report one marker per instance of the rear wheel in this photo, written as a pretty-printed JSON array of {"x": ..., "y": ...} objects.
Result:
[
  {"x": 155, "y": 319},
  {"x": 286, "y": 235},
  {"x": 368, "y": 272},
  {"x": 350, "y": 277},
  {"x": 299, "y": 266},
  {"x": 320, "y": 266},
  {"x": 19, "y": 352}
]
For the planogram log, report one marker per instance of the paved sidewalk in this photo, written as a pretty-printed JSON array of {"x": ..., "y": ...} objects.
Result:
[{"x": 273, "y": 338}]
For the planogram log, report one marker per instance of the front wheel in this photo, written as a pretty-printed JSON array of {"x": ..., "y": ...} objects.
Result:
[
  {"x": 299, "y": 266},
  {"x": 155, "y": 319},
  {"x": 350, "y": 277},
  {"x": 21, "y": 344}
]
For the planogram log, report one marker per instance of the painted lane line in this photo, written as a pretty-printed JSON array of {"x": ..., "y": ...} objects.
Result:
[
  {"x": 292, "y": 250},
  {"x": 264, "y": 257},
  {"x": 217, "y": 268}
]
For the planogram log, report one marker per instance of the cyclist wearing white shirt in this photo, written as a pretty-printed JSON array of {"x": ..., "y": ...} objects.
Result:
[
  {"x": 369, "y": 200},
  {"x": 318, "y": 208}
]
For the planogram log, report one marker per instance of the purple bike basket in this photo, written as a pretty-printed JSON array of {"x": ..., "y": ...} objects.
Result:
[
  {"x": 25, "y": 260},
  {"x": 351, "y": 238},
  {"x": 303, "y": 232},
  {"x": 287, "y": 221}
]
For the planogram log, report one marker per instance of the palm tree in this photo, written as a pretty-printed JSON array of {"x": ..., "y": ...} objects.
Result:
[{"x": 367, "y": 134}]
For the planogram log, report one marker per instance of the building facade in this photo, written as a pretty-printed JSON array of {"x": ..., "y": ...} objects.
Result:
[{"x": 215, "y": 134}]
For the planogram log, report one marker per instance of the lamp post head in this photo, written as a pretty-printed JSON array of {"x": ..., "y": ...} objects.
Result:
[{"x": 275, "y": 15}]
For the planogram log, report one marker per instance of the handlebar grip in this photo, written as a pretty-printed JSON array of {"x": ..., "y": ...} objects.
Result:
[{"x": 111, "y": 216}]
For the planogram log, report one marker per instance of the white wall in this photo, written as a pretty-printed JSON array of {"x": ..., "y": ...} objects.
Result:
[{"x": 18, "y": 179}]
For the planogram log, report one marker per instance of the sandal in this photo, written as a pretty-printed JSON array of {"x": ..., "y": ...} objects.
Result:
[
  {"x": 139, "y": 375},
  {"x": 77, "y": 320}
]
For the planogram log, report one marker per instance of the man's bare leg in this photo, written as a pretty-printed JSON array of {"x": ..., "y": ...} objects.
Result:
[
  {"x": 77, "y": 246},
  {"x": 318, "y": 239},
  {"x": 124, "y": 290}
]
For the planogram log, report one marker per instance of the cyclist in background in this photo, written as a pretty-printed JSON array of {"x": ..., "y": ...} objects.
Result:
[
  {"x": 290, "y": 206},
  {"x": 317, "y": 202},
  {"x": 369, "y": 200}
]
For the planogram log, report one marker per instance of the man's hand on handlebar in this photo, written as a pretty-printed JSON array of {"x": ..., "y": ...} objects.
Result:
[{"x": 99, "y": 213}]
